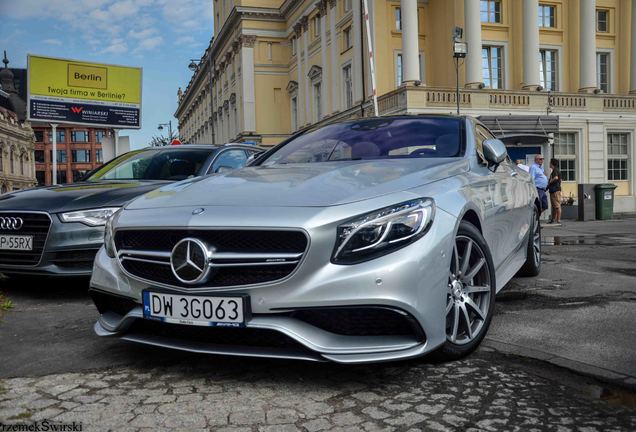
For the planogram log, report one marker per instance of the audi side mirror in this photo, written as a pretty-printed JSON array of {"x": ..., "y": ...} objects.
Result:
[{"x": 495, "y": 151}]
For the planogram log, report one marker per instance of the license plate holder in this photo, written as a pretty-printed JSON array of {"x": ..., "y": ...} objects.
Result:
[
  {"x": 16, "y": 242},
  {"x": 209, "y": 310}
]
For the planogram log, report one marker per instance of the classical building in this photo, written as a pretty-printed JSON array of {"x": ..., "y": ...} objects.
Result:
[
  {"x": 17, "y": 170},
  {"x": 274, "y": 67}
]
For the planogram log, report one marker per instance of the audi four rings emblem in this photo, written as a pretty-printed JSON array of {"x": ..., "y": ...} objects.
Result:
[{"x": 11, "y": 223}]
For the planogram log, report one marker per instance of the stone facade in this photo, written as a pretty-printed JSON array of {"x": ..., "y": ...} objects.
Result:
[{"x": 17, "y": 169}]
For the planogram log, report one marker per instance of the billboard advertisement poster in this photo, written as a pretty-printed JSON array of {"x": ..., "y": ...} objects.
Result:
[{"x": 79, "y": 92}]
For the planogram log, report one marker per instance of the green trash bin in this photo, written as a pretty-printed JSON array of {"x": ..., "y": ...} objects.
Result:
[{"x": 604, "y": 201}]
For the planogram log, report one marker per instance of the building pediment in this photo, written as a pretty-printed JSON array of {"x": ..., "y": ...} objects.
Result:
[
  {"x": 314, "y": 72},
  {"x": 292, "y": 87}
]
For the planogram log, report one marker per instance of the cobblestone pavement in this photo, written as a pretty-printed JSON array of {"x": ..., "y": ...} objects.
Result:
[{"x": 483, "y": 392}]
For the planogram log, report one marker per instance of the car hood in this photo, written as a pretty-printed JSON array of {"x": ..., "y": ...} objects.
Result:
[
  {"x": 77, "y": 196},
  {"x": 303, "y": 185}
]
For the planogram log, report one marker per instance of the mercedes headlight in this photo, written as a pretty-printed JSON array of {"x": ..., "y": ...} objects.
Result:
[
  {"x": 93, "y": 217},
  {"x": 109, "y": 238},
  {"x": 382, "y": 231}
]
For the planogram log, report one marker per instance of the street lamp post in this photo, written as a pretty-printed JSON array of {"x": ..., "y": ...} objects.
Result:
[
  {"x": 459, "y": 51},
  {"x": 169, "y": 124}
]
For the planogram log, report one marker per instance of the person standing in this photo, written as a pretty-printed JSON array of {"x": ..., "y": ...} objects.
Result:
[
  {"x": 540, "y": 181},
  {"x": 554, "y": 187}
]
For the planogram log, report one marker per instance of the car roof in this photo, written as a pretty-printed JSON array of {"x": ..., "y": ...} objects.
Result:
[{"x": 204, "y": 147}]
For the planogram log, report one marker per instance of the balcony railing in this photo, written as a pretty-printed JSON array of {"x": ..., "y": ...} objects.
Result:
[{"x": 414, "y": 99}]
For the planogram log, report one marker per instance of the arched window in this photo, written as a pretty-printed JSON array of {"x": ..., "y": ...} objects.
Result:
[
  {"x": 22, "y": 164},
  {"x": 11, "y": 161}
]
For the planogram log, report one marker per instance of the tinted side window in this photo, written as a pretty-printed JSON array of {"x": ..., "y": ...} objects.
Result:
[{"x": 230, "y": 159}]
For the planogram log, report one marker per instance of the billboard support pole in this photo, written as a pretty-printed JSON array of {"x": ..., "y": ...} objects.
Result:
[
  {"x": 116, "y": 136},
  {"x": 54, "y": 154}
]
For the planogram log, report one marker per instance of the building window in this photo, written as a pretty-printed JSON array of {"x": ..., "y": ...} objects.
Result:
[
  {"x": 316, "y": 25},
  {"x": 82, "y": 156},
  {"x": 492, "y": 65},
  {"x": 11, "y": 162},
  {"x": 39, "y": 176},
  {"x": 347, "y": 5},
  {"x": 398, "y": 19},
  {"x": 490, "y": 11},
  {"x": 347, "y": 85},
  {"x": 79, "y": 136},
  {"x": 99, "y": 158},
  {"x": 399, "y": 69},
  {"x": 78, "y": 175},
  {"x": 293, "y": 46},
  {"x": 548, "y": 69},
  {"x": 61, "y": 177},
  {"x": 39, "y": 136},
  {"x": 39, "y": 156},
  {"x": 617, "y": 156},
  {"x": 61, "y": 156},
  {"x": 99, "y": 135},
  {"x": 317, "y": 101},
  {"x": 294, "y": 113},
  {"x": 565, "y": 153},
  {"x": 60, "y": 136},
  {"x": 347, "y": 39},
  {"x": 603, "y": 71},
  {"x": 547, "y": 16},
  {"x": 602, "y": 21},
  {"x": 21, "y": 165}
]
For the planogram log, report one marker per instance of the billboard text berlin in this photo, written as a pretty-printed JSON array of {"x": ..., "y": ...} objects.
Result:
[{"x": 93, "y": 94}]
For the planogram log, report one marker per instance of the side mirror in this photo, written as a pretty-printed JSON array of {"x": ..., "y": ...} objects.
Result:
[
  {"x": 252, "y": 158},
  {"x": 223, "y": 169},
  {"x": 495, "y": 151}
]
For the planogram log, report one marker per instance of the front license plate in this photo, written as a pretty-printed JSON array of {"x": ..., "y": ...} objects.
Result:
[
  {"x": 16, "y": 242},
  {"x": 194, "y": 310}
]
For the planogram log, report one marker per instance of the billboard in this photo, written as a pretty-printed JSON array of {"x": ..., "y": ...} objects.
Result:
[{"x": 78, "y": 92}]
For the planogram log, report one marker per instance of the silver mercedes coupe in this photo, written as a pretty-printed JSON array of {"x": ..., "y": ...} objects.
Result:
[{"x": 363, "y": 241}]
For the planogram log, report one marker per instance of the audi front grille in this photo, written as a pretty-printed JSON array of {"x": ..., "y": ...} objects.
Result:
[
  {"x": 238, "y": 257},
  {"x": 33, "y": 224}
]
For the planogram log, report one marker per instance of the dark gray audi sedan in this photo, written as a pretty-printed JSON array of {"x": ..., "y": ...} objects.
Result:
[{"x": 57, "y": 230}]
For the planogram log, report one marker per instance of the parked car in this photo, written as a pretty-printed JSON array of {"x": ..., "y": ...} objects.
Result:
[
  {"x": 368, "y": 240},
  {"x": 57, "y": 230}
]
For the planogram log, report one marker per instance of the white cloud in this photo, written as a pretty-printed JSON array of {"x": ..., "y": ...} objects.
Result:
[
  {"x": 149, "y": 44},
  {"x": 142, "y": 34},
  {"x": 117, "y": 46},
  {"x": 52, "y": 41}
]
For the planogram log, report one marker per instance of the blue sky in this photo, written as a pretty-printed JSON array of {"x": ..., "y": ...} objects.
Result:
[{"x": 161, "y": 36}]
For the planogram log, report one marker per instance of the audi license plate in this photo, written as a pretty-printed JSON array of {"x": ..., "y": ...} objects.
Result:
[
  {"x": 16, "y": 242},
  {"x": 194, "y": 310}
]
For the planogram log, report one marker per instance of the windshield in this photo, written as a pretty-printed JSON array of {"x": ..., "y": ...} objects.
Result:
[
  {"x": 377, "y": 138},
  {"x": 154, "y": 165}
]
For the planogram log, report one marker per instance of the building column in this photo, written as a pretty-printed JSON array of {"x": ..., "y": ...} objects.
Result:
[
  {"x": 335, "y": 100},
  {"x": 326, "y": 76},
  {"x": 530, "y": 45},
  {"x": 304, "y": 21},
  {"x": 632, "y": 72},
  {"x": 410, "y": 42},
  {"x": 357, "y": 55},
  {"x": 247, "y": 83},
  {"x": 472, "y": 24},
  {"x": 300, "y": 117},
  {"x": 587, "y": 40}
]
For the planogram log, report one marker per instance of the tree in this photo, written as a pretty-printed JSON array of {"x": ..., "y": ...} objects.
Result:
[{"x": 160, "y": 140}]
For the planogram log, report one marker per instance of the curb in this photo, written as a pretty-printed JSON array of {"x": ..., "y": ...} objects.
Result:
[{"x": 599, "y": 373}]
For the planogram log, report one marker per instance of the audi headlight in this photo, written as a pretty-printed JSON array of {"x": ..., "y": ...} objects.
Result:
[
  {"x": 382, "y": 231},
  {"x": 93, "y": 217},
  {"x": 109, "y": 238}
]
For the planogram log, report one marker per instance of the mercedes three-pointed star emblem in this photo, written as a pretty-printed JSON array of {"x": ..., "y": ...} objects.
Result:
[{"x": 190, "y": 261}]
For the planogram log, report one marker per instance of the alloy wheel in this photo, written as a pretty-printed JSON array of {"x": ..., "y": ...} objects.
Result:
[
  {"x": 469, "y": 292},
  {"x": 536, "y": 241}
]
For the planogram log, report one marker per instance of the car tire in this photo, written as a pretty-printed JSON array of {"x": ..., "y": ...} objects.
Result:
[
  {"x": 532, "y": 266},
  {"x": 470, "y": 298}
]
